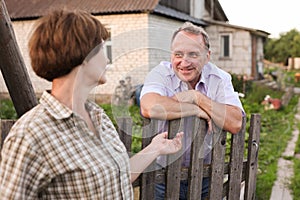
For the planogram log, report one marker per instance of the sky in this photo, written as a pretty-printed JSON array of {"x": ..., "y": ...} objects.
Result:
[{"x": 272, "y": 16}]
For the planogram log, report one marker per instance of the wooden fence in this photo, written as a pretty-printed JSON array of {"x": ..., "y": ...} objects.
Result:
[{"x": 227, "y": 171}]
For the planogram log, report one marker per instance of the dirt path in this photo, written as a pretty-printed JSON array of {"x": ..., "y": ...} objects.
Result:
[{"x": 280, "y": 190}]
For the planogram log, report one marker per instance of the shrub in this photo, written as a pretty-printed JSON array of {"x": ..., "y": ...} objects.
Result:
[
  {"x": 240, "y": 84},
  {"x": 7, "y": 109}
]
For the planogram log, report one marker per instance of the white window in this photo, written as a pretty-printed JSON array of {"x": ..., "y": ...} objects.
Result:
[
  {"x": 107, "y": 47},
  {"x": 225, "y": 51}
]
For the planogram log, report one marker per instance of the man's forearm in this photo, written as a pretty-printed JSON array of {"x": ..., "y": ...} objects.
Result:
[
  {"x": 225, "y": 116},
  {"x": 161, "y": 107}
]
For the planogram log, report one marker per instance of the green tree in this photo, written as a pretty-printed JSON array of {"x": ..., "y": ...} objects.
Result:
[{"x": 280, "y": 49}]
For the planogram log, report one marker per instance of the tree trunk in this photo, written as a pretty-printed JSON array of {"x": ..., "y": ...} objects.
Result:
[{"x": 13, "y": 67}]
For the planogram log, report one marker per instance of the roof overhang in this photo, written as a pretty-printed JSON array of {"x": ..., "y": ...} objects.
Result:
[{"x": 251, "y": 30}]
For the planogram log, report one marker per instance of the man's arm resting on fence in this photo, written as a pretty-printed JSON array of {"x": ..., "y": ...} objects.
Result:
[
  {"x": 156, "y": 106},
  {"x": 228, "y": 117},
  {"x": 160, "y": 145}
]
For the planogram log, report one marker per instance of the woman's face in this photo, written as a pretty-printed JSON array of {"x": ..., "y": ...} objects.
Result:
[{"x": 95, "y": 66}]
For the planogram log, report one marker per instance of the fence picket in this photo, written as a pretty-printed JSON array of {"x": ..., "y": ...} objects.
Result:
[
  {"x": 147, "y": 179},
  {"x": 197, "y": 154},
  {"x": 217, "y": 163},
  {"x": 174, "y": 163},
  {"x": 236, "y": 158},
  {"x": 253, "y": 147}
]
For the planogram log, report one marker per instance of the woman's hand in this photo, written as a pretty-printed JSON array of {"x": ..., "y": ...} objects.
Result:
[
  {"x": 167, "y": 146},
  {"x": 159, "y": 145}
]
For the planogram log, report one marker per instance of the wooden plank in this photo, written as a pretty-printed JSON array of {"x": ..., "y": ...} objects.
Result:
[
  {"x": 147, "y": 178},
  {"x": 174, "y": 162},
  {"x": 217, "y": 164},
  {"x": 13, "y": 68},
  {"x": 197, "y": 154},
  {"x": 125, "y": 131},
  {"x": 236, "y": 162},
  {"x": 253, "y": 147}
]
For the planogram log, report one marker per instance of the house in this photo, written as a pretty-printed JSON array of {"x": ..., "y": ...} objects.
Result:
[{"x": 140, "y": 36}]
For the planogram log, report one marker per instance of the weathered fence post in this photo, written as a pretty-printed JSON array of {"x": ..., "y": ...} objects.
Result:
[
  {"x": 147, "y": 180},
  {"x": 217, "y": 163},
  {"x": 125, "y": 131},
  {"x": 236, "y": 162},
  {"x": 13, "y": 68},
  {"x": 197, "y": 156},
  {"x": 253, "y": 147},
  {"x": 173, "y": 171}
]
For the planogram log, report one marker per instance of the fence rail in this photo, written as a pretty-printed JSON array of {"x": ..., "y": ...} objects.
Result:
[{"x": 227, "y": 170}]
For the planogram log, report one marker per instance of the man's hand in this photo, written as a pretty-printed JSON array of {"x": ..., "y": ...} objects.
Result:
[
  {"x": 202, "y": 114},
  {"x": 188, "y": 96}
]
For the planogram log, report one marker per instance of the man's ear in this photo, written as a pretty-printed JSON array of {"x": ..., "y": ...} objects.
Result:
[{"x": 207, "y": 56}]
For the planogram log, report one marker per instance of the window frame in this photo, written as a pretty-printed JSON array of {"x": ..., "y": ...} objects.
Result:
[
  {"x": 108, "y": 45},
  {"x": 225, "y": 53}
]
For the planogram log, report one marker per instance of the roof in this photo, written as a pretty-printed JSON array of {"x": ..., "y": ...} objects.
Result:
[
  {"x": 26, "y": 9},
  {"x": 163, "y": 10},
  {"x": 31, "y": 9}
]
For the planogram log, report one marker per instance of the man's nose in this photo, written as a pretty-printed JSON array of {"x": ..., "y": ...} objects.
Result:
[{"x": 185, "y": 61}]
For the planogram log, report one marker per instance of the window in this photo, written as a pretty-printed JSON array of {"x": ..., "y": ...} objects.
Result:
[
  {"x": 107, "y": 47},
  {"x": 225, "y": 46}
]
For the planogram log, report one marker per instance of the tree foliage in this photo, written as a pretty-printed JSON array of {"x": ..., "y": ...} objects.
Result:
[{"x": 280, "y": 49}]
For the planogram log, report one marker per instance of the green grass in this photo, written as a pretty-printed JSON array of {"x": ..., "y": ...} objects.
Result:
[
  {"x": 276, "y": 131},
  {"x": 295, "y": 181}
]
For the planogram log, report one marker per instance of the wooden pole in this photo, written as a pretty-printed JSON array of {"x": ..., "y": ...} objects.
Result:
[{"x": 13, "y": 67}]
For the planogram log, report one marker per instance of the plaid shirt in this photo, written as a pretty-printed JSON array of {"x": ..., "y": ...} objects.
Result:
[{"x": 51, "y": 154}]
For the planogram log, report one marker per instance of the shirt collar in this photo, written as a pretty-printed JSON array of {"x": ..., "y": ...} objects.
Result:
[
  {"x": 177, "y": 83},
  {"x": 54, "y": 107},
  {"x": 60, "y": 111}
]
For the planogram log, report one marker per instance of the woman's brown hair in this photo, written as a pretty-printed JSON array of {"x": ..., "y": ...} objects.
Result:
[{"x": 62, "y": 40}]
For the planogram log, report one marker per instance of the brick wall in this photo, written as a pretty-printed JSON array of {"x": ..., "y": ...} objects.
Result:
[{"x": 129, "y": 42}]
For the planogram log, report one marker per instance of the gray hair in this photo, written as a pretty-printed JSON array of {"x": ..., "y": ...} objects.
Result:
[{"x": 197, "y": 30}]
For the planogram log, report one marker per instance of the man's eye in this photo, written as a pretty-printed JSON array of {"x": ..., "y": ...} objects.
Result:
[
  {"x": 193, "y": 55},
  {"x": 178, "y": 55}
]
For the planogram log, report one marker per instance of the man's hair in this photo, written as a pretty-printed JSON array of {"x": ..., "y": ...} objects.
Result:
[
  {"x": 196, "y": 30},
  {"x": 62, "y": 40}
]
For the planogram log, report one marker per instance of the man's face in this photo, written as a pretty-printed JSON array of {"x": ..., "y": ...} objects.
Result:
[{"x": 189, "y": 55}]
